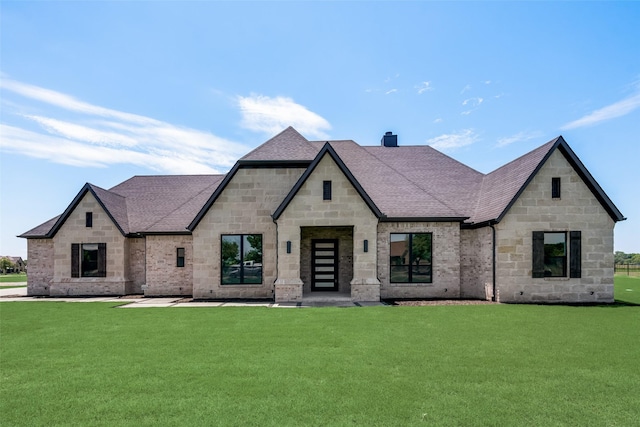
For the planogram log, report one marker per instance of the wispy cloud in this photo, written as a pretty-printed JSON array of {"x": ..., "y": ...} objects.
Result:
[
  {"x": 465, "y": 89},
  {"x": 518, "y": 137},
  {"x": 438, "y": 120},
  {"x": 390, "y": 91},
  {"x": 453, "y": 141},
  {"x": 473, "y": 102},
  {"x": 98, "y": 136},
  {"x": 618, "y": 109},
  {"x": 270, "y": 115},
  {"x": 424, "y": 87}
]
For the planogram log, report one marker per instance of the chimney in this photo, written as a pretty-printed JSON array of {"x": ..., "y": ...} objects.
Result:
[{"x": 389, "y": 140}]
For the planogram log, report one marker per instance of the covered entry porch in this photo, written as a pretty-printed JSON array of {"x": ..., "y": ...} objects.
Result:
[{"x": 326, "y": 260}]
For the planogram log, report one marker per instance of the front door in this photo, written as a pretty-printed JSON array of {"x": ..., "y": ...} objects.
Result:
[{"x": 324, "y": 265}]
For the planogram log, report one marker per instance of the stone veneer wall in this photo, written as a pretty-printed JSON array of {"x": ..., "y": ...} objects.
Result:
[
  {"x": 445, "y": 247},
  {"x": 476, "y": 260},
  {"x": 345, "y": 209},
  {"x": 244, "y": 207},
  {"x": 164, "y": 277},
  {"x": 536, "y": 210},
  {"x": 345, "y": 254},
  {"x": 75, "y": 231},
  {"x": 135, "y": 267},
  {"x": 40, "y": 269}
]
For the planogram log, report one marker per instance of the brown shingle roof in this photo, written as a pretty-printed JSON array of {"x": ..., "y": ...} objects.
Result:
[{"x": 405, "y": 182}]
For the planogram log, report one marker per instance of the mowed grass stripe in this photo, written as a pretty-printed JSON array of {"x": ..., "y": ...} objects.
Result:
[{"x": 90, "y": 364}]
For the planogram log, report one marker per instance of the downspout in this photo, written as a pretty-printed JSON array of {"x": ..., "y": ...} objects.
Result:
[
  {"x": 493, "y": 261},
  {"x": 277, "y": 257}
]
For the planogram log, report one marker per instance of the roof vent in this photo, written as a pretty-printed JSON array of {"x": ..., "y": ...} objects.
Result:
[{"x": 389, "y": 140}]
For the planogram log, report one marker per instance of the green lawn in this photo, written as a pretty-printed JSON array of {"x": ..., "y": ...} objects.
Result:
[
  {"x": 12, "y": 278},
  {"x": 627, "y": 289},
  {"x": 91, "y": 364}
]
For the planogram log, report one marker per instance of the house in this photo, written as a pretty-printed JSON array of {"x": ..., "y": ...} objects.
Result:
[
  {"x": 19, "y": 266},
  {"x": 294, "y": 217}
]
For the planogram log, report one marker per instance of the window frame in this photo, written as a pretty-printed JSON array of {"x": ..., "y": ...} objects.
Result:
[
  {"x": 180, "y": 258},
  {"x": 556, "y": 186},
  {"x": 571, "y": 260},
  {"x": 79, "y": 263},
  {"x": 242, "y": 269},
  {"x": 410, "y": 257},
  {"x": 326, "y": 190}
]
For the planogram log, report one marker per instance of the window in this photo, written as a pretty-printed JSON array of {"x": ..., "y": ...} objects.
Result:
[
  {"x": 555, "y": 188},
  {"x": 89, "y": 260},
  {"x": 410, "y": 258},
  {"x": 88, "y": 219},
  {"x": 180, "y": 257},
  {"x": 241, "y": 259},
  {"x": 326, "y": 190},
  {"x": 550, "y": 254}
]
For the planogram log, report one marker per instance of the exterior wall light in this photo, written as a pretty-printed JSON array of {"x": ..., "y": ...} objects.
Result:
[
  {"x": 288, "y": 246},
  {"x": 366, "y": 245}
]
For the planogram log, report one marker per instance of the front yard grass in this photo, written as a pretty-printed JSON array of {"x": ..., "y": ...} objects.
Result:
[
  {"x": 13, "y": 278},
  {"x": 91, "y": 364},
  {"x": 627, "y": 289}
]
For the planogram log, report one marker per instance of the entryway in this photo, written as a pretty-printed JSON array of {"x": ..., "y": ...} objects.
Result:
[{"x": 324, "y": 265}]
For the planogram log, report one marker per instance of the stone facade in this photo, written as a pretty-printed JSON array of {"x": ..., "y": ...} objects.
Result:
[
  {"x": 244, "y": 207},
  {"x": 476, "y": 261},
  {"x": 74, "y": 230},
  {"x": 136, "y": 266},
  {"x": 345, "y": 209},
  {"x": 164, "y": 277},
  {"x": 535, "y": 210},
  {"x": 40, "y": 256},
  {"x": 445, "y": 258}
]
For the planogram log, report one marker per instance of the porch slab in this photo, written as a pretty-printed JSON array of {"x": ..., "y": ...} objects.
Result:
[{"x": 332, "y": 297}]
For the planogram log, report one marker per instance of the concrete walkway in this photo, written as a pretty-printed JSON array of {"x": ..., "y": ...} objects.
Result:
[{"x": 19, "y": 295}]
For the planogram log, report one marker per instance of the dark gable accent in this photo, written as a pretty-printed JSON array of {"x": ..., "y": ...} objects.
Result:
[{"x": 327, "y": 149}]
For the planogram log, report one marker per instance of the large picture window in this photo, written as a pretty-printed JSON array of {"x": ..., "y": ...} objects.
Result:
[
  {"x": 410, "y": 258},
  {"x": 241, "y": 259},
  {"x": 551, "y": 252},
  {"x": 89, "y": 260}
]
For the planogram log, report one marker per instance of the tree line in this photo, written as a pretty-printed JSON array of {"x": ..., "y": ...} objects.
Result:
[{"x": 622, "y": 258}]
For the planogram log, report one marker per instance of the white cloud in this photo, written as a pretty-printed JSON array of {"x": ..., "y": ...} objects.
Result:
[
  {"x": 450, "y": 142},
  {"x": 487, "y": 82},
  {"x": 391, "y": 91},
  {"x": 99, "y": 136},
  {"x": 424, "y": 87},
  {"x": 465, "y": 89},
  {"x": 518, "y": 137},
  {"x": 473, "y": 102},
  {"x": 438, "y": 120},
  {"x": 271, "y": 115},
  {"x": 618, "y": 109}
]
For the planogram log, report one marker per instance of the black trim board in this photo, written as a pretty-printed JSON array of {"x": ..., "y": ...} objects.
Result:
[
  {"x": 327, "y": 149},
  {"x": 213, "y": 197}
]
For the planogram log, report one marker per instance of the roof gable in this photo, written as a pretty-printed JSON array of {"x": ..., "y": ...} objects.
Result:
[
  {"x": 110, "y": 202},
  {"x": 287, "y": 145},
  {"x": 502, "y": 187},
  {"x": 327, "y": 149}
]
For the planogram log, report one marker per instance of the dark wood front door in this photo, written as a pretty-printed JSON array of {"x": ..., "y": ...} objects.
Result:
[{"x": 324, "y": 265}]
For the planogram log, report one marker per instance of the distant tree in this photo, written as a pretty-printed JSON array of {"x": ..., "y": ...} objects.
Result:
[
  {"x": 5, "y": 264},
  {"x": 421, "y": 249},
  {"x": 230, "y": 253},
  {"x": 619, "y": 257},
  {"x": 255, "y": 253},
  {"x": 635, "y": 259}
]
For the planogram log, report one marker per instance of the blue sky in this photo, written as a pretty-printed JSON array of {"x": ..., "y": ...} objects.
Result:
[{"x": 101, "y": 91}]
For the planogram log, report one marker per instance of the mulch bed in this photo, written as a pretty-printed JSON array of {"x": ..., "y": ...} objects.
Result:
[{"x": 419, "y": 303}]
